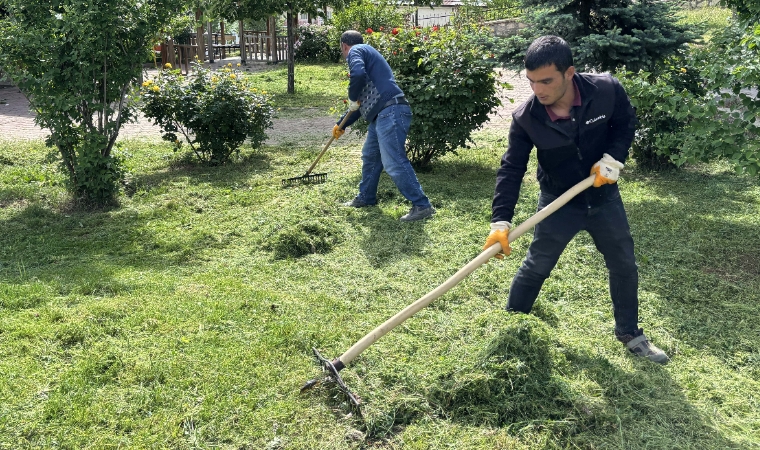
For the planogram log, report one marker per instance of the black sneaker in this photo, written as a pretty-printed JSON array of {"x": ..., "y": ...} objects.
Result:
[
  {"x": 638, "y": 344},
  {"x": 356, "y": 203},
  {"x": 418, "y": 213}
]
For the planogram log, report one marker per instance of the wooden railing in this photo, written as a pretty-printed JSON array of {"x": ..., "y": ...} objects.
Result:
[{"x": 257, "y": 46}]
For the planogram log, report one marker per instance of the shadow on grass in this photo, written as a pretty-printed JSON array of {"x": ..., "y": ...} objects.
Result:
[
  {"x": 522, "y": 382},
  {"x": 239, "y": 171},
  {"x": 704, "y": 267}
]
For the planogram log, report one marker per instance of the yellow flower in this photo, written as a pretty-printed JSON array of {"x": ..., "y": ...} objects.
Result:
[
  {"x": 264, "y": 92},
  {"x": 214, "y": 79},
  {"x": 168, "y": 66},
  {"x": 229, "y": 64},
  {"x": 147, "y": 83},
  {"x": 683, "y": 70},
  {"x": 233, "y": 76},
  {"x": 254, "y": 90},
  {"x": 156, "y": 89},
  {"x": 238, "y": 64}
]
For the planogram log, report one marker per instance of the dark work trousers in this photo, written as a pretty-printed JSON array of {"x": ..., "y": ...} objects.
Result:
[{"x": 608, "y": 226}]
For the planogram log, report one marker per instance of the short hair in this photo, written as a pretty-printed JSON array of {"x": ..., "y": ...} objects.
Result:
[
  {"x": 548, "y": 50},
  {"x": 351, "y": 37}
]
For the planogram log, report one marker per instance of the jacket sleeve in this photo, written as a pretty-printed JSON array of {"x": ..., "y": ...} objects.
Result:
[
  {"x": 357, "y": 73},
  {"x": 509, "y": 177},
  {"x": 351, "y": 119},
  {"x": 622, "y": 125}
]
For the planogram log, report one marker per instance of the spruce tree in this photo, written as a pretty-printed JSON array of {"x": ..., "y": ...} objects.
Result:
[{"x": 604, "y": 34}]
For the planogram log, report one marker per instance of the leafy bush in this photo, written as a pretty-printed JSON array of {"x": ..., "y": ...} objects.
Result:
[
  {"x": 702, "y": 110},
  {"x": 666, "y": 101},
  {"x": 448, "y": 77},
  {"x": 313, "y": 45},
  {"x": 215, "y": 111}
]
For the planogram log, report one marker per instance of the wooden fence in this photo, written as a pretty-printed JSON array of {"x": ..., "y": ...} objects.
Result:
[{"x": 256, "y": 46}]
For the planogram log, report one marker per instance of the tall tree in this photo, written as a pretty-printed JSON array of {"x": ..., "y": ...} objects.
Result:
[
  {"x": 604, "y": 34},
  {"x": 75, "y": 61}
]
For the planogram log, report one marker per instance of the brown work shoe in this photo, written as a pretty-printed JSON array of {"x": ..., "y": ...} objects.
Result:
[{"x": 638, "y": 344}]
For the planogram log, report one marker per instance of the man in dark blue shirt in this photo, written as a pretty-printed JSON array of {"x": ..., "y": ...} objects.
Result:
[{"x": 372, "y": 90}]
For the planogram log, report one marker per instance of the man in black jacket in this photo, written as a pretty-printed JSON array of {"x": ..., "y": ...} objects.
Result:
[{"x": 580, "y": 124}]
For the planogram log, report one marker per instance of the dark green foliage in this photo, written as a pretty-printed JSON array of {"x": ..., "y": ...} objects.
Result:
[
  {"x": 314, "y": 45},
  {"x": 603, "y": 34},
  {"x": 697, "y": 108},
  {"x": 747, "y": 10},
  {"x": 303, "y": 238},
  {"x": 447, "y": 75},
  {"x": 659, "y": 98}
]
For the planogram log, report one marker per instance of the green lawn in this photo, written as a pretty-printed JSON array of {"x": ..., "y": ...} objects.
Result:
[
  {"x": 318, "y": 87},
  {"x": 185, "y": 317},
  {"x": 713, "y": 17}
]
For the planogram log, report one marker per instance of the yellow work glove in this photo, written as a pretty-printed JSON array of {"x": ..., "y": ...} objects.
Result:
[
  {"x": 337, "y": 132},
  {"x": 499, "y": 234},
  {"x": 607, "y": 170}
]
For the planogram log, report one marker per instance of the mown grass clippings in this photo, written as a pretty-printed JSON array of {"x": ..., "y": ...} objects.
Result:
[{"x": 303, "y": 238}]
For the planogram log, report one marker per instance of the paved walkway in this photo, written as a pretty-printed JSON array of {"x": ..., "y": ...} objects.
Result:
[{"x": 17, "y": 121}]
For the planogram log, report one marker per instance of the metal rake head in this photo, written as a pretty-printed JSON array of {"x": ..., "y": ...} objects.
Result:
[{"x": 315, "y": 178}]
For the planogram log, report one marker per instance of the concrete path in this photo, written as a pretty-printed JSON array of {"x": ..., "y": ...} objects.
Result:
[{"x": 17, "y": 121}]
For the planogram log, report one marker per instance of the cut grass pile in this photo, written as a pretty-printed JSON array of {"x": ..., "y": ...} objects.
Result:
[{"x": 185, "y": 318}]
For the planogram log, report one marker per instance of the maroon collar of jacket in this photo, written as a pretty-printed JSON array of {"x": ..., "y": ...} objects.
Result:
[
  {"x": 576, "y": 102},
  {"x": 586, "y": 90}
]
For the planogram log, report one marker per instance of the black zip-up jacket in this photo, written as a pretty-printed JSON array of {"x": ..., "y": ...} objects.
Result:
[{"x": 606, "y": 124}]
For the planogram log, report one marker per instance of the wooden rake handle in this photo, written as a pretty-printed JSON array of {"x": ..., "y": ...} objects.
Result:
[
  {"x": 332, "y": 138},
  {"x": 481, "y": 259}
]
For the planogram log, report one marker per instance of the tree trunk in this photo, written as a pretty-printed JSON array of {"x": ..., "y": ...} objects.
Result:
[
  {"x": 291, "y": 55},
  {"x": 241, "y": 36},
  {"x": 223, "y": 40},
  {"x": 273, "y": 39},
  {"x": 210, "y": 44},
  {"x": 199, "y": 36}
]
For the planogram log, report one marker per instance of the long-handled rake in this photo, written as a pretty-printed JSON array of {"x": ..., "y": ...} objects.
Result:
[
  {"x": 314, "y": 178},
  {"x": 336, "y": 365}
]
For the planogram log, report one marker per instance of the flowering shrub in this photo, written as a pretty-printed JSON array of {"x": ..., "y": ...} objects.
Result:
[
  {"x": 214, "y": 111},
  {"x": 313, "y": 45},
  {"x": 366, "y": 17},
  {"x": 448, "y": 78}
]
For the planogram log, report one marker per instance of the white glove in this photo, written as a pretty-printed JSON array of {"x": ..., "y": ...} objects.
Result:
[
  {"x": 500, "y": 225},
  {"x": 353, "y": 105},
  {"x": 607, "y": 170}
]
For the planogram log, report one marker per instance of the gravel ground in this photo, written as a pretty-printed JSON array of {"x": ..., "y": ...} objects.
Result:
[{"x": 17, "y": 121}]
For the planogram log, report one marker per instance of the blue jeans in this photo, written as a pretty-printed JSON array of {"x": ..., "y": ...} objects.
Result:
[
  {"x": 384, "y": 148},
  {"x": 608, "y": 226}
]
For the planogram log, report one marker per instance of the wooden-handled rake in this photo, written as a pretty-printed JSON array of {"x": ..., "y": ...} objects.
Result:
[
  {"x": 336, "y": 365},
  {"x": 314, "y": 178}
]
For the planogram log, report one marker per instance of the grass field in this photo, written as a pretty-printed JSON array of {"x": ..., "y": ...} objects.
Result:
[{"x": 185, "y": 317}]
